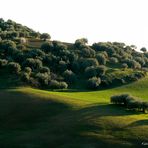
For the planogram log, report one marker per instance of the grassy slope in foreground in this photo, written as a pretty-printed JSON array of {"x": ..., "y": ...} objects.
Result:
[{"x": 36, "y": 118}]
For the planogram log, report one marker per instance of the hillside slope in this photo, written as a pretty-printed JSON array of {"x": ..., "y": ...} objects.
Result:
[{"x": 37, "y": 118}]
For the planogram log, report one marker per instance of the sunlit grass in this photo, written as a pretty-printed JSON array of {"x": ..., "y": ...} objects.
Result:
[{"x": 71, "y": 119}]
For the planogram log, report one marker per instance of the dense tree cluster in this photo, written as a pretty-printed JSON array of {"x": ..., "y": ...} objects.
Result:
[
  {"x": 130, "y": 102},
  {"x": 61, "y": 65}
]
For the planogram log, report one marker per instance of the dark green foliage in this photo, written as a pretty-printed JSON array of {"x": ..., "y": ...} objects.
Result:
[
  {"x": 7, "y": 47},
  {"x": 124, "y": 66},
  {"x": 80, "y": 43},
  {"x": 88, "y": 52},
  {"x": 44, "y": 70},
  {"x": 90, "y": 72},
  {"x": 43, "y": 78},
  {"x": 47, "y": 47},
  {"x": 93, "y": 83},
  {"x": 53, "y": 84},
  {"x": 34, "y": 64},
  {"x": 88, "y": 62},
  {"x": 101, "y": 59},
  {"x": 3, "y": 62},
  {"x": 14, "y": 67},
  {"x": 47, "y": 63},
  {"x": 140, "y": 60},
  {"x": 143, "y": 49},
  {"x": 21, "y": 47},
  {"x": 130, "y": 102},
  {"x": 62, "y": 66},
  {"x": 113, "y": 60},
  {"x": 108, "y": 47},
  {"x": 45, "y": 36},
  {"x": 69, "y": 76},
  {"x": 100, "y": 70},
  {"x": 25, "y": 77},
  {"x": 35, "y": 53},
  {"x": 119, "y": 99},
  {"x": 132, "y": 64},
  {"x": 63, "y": 85},
  {"x": 97, "y": 71},
  {"x": 27, "y": 70}
]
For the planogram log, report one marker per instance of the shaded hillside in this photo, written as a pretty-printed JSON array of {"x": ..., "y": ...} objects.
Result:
[{"x": 36, "y": 118}]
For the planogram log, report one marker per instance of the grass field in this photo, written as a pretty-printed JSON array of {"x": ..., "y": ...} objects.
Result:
[{"x": 32, "y": 118}]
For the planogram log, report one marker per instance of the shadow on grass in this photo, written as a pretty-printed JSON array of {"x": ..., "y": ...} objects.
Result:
[
  {"x": 29, "y": 121},
  {"x": 139, "y": 123},
  {"x": 90, "y": 90}
]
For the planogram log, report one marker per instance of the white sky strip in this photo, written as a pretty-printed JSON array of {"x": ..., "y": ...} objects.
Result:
[{"x": 98, "y": 20}]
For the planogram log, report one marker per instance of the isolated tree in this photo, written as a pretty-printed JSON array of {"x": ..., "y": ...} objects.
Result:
[
  {"x": 45, "y": 36},
  {"x": 143, "y": 49},
  {"x": 80, "y": 42}
]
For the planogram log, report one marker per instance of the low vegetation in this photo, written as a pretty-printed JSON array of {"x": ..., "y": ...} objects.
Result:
[{"x": 130, "y": 102}]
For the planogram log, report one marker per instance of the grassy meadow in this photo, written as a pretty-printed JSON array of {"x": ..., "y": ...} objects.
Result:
[{"x": 33, "y": 118}]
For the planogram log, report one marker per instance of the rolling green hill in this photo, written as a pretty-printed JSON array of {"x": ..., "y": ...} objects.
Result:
[
  {"x": 38, "y": 118},
  {"x": 55, "y": 94}
]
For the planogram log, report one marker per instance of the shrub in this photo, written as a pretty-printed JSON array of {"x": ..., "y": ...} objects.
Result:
[
  {"x": 69, "y": 76},
  {"x": 79, "y": 43},
  {"x": 93, "y": 82},
  {"x": 32, "y": 63},
  {"x": 119, "y": 99},
  {"x": 101, "y": 59},
  {"x": 27, "y": 70},
  {"x": 90, "y": 72},
  {"x": 47, "y": 47},
  {"x": 43, "y": 78},
  {"x": 63, "y": 85},
  {"x": 45, "y": 36},
  {"x": 88, "y": 52},
  {"x": 14, "y": 67},
  {"x": 25, "y": 77},
  {"x": 100, "y": 70},
  {"x": 88, "y": 62},
  {"x": 3, "y": 62},
  {"x": 34, "y": 82},
  {"x": 124, "y": 66},
  {"x": 62, "y": 66},
  {"x": 130, "y": 102},
  {"x": 54, "y": 84},
  {"x": 113, "y": 60},
  {"x": 134, "y": 105},
  {"x": 44, "y": 70},
  {"x": 132, "y": 63}
]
